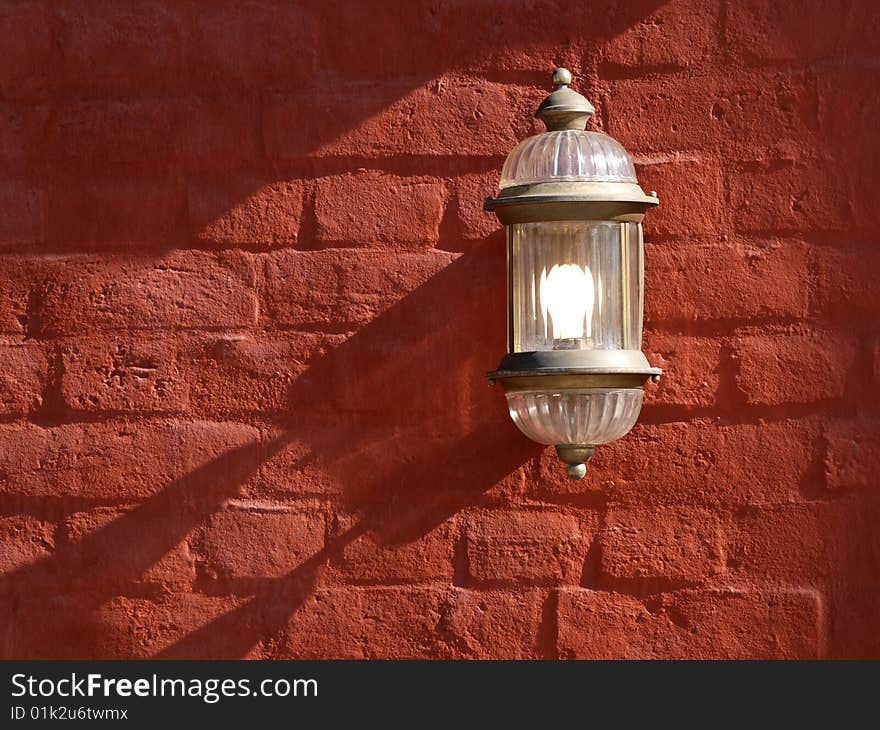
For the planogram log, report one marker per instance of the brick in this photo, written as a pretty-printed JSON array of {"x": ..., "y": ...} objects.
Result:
[
  {"x": 244, "y": 210},
  {"x": 316, "y": 456},
  {"x": 300, "y": 465},
  {"x": 25, "y": 28},
  {"x": 492, "y": 35},
  {"x": 51, "y": 627},
  {"x": 547, "y": 481},
  {"x": 471, "y": 192},
  {"x": 761, "y": 31},
  {"x": 121, "y": 47},
  {"x": 681, "y": 213},
  {"x": 679, "y": 463},
  {"x": 852, "y": 454},
  {"x": 24, "y": 215},
  {"x": 854, "y": 615},
  {"x": 218, "y": 131},
  {"x": 98, "y": 132},
  {"x": 660, "y": 548},
  {"x": 496, "y": 624},
  {"x": 17, "y": 315},
  {"x": 156, "y": 131},
  {"x": 769, "y": 116},
  {"x": 23, "y": 131},
  {"x": 531, "y": 547},
  {"x": 846, "y": 286},
  {"x": 734, "y": 280},
  {"x": 111, "y": 459},
  {"x": 783, "y": 197},
  {"x": 184, "y": 289},
  {"x": 197, "y": 254},
  {"x": 23, "y": 375},
  {"x": 450, "y": 115},
  {"x": 234, "y": 45},
  {"x": 137, "y": 628},
  {"x": 393, "y": 470},
  {"x": 172, "y": 626},
  {"x": 242, "y": 543},
  {"x": 230, "y": 374},
  {"x": 793, "y": 368},
  {"x": 99, "y": 552},
  {"x": 846, "y": 134},
  {"x": 367, "y": 44},
  {"x": 656, "y": 39},
  {"x": 431, "y": 326},
  {"x": 715, "y": 624},
  {"x": 390, "y": 385},
  {"x": 818, "y": 538},
  {"x": 664, "y": 114},
  {"x": 368, "y": 623},
  {"x": 375, "y": 208},
  {"x": 115, "y": 210},
  {"x": 583, "y": 616},
  {"x": 749, "y": 115},
  {"x": 123, "y": 374},
  {"x": 24, "y": 540},
  {"x": 773, "y": 622},
  {"x": 381, "y": 557},
  {"x": 845, "y": 127},
  {"x": 690, "y": 369},
  {"x": 343, "y": 287}
]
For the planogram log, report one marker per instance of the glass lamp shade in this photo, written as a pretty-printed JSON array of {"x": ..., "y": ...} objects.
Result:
[
  {"x": 567, "y": 155},
  {"x": 575, "y": 285},
  {"x": 589, "y": 416}
]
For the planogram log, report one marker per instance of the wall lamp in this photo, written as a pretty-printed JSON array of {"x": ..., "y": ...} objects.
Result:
[{"x": 574, "y": 372}]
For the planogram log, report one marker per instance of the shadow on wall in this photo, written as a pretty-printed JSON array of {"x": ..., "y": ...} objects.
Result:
[
  {"x": 400, "y": 416},
  {"x": 392, "y": 436},
  {"x": 398, "y": 447}
]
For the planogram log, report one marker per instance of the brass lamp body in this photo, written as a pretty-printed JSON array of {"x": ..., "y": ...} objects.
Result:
[{"x": 555, "y": 377}]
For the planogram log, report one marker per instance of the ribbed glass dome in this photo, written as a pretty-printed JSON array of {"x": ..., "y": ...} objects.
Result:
[
  {"x": 575, "y": 416},
  {"x": 567, "y": 155}
]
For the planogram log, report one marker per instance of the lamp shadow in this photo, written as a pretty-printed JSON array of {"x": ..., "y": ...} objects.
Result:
[{"x": 407, "y": 428}]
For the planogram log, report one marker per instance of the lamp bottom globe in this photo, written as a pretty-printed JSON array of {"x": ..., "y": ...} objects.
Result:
[{"x": 575, "y": 420}]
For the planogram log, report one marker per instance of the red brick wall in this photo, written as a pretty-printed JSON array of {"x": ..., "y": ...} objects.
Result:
[{"x": 247, "y": 297}]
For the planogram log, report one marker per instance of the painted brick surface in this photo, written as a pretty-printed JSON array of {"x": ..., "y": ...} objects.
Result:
[
  {"x": 727, "y": 624},
  {"x": 375, "y": 208},
  {"x": 248, "y": 294}
]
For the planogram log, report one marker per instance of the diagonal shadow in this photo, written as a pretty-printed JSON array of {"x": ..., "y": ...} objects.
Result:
[
  {"x": 401, "y": 518},
  {"x": 403, "y": 457},
  {"x": 116, "y": 554}
]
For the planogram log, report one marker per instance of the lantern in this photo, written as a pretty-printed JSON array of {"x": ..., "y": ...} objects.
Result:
[{"x": 574, "y": 372}]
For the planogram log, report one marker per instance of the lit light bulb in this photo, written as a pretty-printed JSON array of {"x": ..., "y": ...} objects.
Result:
[{"x": 567, "y": 294}]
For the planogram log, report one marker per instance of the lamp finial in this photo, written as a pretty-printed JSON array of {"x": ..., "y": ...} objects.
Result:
[{"x": 564, "y": 108}]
